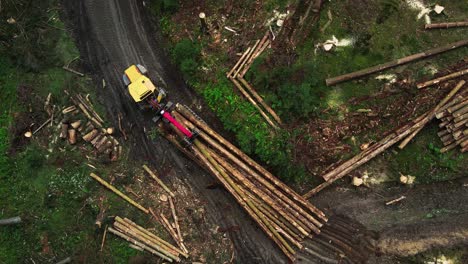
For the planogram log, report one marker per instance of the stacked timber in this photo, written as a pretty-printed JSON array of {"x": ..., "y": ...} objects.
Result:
[
  {"x": 403, "y": 134},
  {"x": 90, "y": 128},
  {"x": 454, "y": 123},
  {"x": 236, "y": 75},
  {"x": 143, "y": 239},
  {"x": 285, "y": 216}
]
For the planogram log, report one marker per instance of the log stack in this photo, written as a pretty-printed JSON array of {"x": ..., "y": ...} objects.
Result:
[
  {"x": 88, "y": 127},
  {"x": 285, "y": 216},
  {"x": 145, "y": 240},
  {"x": 454, "y": 123},
  {"x": 405, "y": 134}
]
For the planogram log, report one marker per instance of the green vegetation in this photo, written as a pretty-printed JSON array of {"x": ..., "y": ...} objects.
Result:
[
  {"x": 45, "y": 183},
  {"x": 423, "y": 159}
]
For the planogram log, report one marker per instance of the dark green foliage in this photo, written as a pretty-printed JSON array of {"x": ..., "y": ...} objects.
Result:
[
  {"x": 163, "y": 7},
  {"x": 186, "y": 55}
]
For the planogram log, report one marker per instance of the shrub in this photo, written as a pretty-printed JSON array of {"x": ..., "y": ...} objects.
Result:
[{"x": 186, "y": 55}]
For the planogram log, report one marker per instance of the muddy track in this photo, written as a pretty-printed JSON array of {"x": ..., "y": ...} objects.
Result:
[{"x": 112, "y": 35}]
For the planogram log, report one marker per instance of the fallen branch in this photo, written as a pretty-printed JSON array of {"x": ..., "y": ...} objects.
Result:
[
  {"x": 395, "y": 200},
  {"x": 43, "y": 124},
  {"x": 103, "y": 238},
  {"x": 153, "y": 175},
  {"x": 10, "y": 221},
  {"x": 442, "y": 79},
  {"x": 446, "y": 25},
  {"x": 395, "y": 63},
  {"x": 73, "y": 71},
  {"x": 119, "y": 193}
]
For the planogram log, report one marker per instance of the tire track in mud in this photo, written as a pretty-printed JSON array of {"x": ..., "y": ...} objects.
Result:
[{"x": 113, "y": 34}]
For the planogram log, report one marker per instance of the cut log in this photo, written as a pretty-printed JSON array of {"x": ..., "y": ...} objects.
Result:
[
  {"x": 446, "y": 25},
  {"x": 96, "y": 139},
  {"x": 457, "y": 106},
  {"x": 139, "y": 244},
  {"x": 442, "y": 79},
  {"x": 110, "y": 130},
  {"x": 460, "y": 112},
  {"x": 76, "y": 124},
  {"x": 64, "y": 131},
  {"x": 72, "y": 136},
  {"x": 69, "y": 109},
  {"x": 243, "y": 67},
  {"x": 395, "y": 63},
  {"x": 252, "y": 101},
  {"x": 176, "y": 220},
  {"x": 119, "y": 193},
  {"x": 229, "y": 74},
  {"x": 10, "y": 221},
  {"x": 91, "y": 135},
  {"x": 448, "y": 147},
  {"x": 260, "y": 99},
  {"x": 101, "y": 142},
  {"x": 155, "y": 177}
]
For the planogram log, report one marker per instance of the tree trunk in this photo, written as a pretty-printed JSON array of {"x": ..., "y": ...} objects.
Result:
[{"x": 395, "y": 63}]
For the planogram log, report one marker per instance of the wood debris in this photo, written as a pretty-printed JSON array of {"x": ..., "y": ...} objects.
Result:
[
  {"x": 396, "y": 200},
  {"x": 407, "y": 131},
  {"x": 155, "y": 177},
  {"x": 442, "y": 79}
]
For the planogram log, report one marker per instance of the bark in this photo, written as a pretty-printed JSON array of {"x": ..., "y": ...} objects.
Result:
[
  {"x": 135, "y": 234},
  {"x": 395, "y": 63},
  {"x": 446, "y": 25},
  {"x": 91, "y": 135},
  {"x": 442, "y": 79},
  {"x": 72, "y": 136},
  {"x": 76, "y": 124}
]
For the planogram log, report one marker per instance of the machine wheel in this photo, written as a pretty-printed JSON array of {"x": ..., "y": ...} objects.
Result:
[{"x": 142, "y": 69}]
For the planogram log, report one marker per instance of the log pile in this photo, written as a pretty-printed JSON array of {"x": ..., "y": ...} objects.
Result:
[
  {"x": 89, "y": 127},
  {"x": 145, "y": 240},
  {"x": 285, "y": 217},
  {"x": 236, "y": 75},
  {"x": 405, "y": 133},
  {"x": 454, "y": 123}
]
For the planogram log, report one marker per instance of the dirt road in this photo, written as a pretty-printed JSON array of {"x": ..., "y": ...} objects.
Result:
[{"x": 112, "y": 35}]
